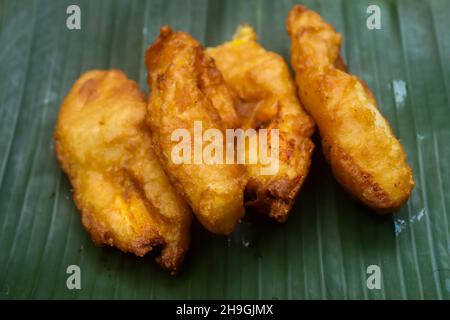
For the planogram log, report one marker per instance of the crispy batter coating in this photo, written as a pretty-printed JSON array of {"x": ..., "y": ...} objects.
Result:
[
  {"x": 187, "y": 87},
  {"x": 124, "y": 196},
  {"x": 365, "y": 156},
  {"x": 267, "y": 98}
]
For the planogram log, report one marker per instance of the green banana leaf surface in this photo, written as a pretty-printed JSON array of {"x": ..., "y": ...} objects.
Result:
[{"x": 324, "y": 249}]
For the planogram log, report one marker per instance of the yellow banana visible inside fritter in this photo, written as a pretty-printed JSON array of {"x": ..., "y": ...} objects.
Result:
[
  {"x": 267, "y": 99},
  {"x": 124, "y": 196},
  {"x": 186, "y": 88},
  {"x": 365, "y": 156}
]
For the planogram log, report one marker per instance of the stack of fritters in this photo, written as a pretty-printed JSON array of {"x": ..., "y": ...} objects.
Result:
[{"x": 116, "y": 147}]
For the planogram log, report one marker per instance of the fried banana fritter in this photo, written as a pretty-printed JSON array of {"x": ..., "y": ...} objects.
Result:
[
  {"x": 186, "y": 87},
  {"x": 365, "y": 156},
  {"x": 267, "y": 98},
  {"x": 124, "y": 196}
]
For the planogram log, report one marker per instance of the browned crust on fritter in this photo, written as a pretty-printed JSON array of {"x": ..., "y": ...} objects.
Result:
[
  {"x": 174, "y": 241},
  {"x": 267, "y": 99},
  {"x": 185, "y": 87},
  {"x": 99, "y": 233},
  {"x": 355, "y": 180},
  {"x": 364, "y": 154}
]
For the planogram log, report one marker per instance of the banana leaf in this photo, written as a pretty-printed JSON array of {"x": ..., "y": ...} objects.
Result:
[{"x": 324, "y": 249}]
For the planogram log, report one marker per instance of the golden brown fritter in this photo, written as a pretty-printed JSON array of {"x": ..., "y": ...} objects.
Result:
[
  {"x": 124, "y": 196},
  {"x": 365, "y": 156},
  {"x": 267, "y": 98},
  {"x": 186, "y": 87}
]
